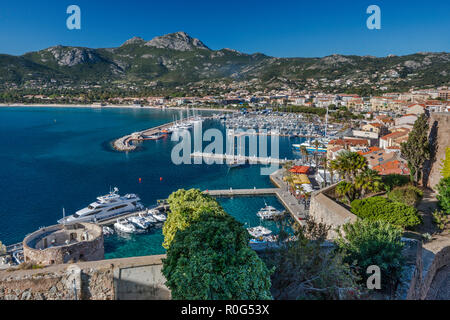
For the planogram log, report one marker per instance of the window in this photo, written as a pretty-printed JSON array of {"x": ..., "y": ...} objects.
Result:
[{"x": 118, "y": 207}]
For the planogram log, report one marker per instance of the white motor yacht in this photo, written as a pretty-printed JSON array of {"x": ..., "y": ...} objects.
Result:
[{"x": 106, "y": 207}]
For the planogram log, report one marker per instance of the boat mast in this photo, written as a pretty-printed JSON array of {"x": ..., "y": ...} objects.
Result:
[{"x": 326, "y": 122}]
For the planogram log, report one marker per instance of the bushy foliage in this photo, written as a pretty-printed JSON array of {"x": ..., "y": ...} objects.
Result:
[
  {"x": 443, "y": 197},
  {"x": 211, "y": 260},
  {"x": 441, "y": 219},
  {"x": 382, "y": 209},
  {"x": 186, "y": 206},
  {"x": 391, "y": 181},
  {"x": 408, "y": 195},
  {"x": 446, "y": 164},
  {"x": 367, "y": 243},
  {"x": 347, "y": 190},
  {"x": 304, "y": 269}
]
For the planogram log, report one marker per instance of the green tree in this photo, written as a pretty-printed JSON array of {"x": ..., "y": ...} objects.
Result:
[
  {"x": 304, "y": 152},
  {"x": 186, "y": 206},
  {"x": 443, "y": 197},
  {"x": 417, "y": 149},
  {"x": 324, "y": 163},
  {"x": 347, "y": 190},
  {"x": 349, "y": 164},
  {"x": 368, "y": 181},
  {"x": 211, "y": 260},
  {"x": 367, "y": 243}
]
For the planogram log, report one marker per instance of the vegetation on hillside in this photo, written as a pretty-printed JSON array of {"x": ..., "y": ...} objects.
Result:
[
  {"x": 366, "y": 243},
  {"x": 408, "y": 195},
  {"x": 211, "y": 260},
  {"x": 382, "y": 209},
  {"x": 186, "y": 206},
  {"x": 208, "y": 256}
]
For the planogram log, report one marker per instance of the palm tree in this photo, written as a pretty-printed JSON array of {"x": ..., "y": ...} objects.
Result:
[
  {"x": 316, "y": 144},
  {"x": 368, "y": 181},
  {"x": 349, "y": 164},
  {"x": 304, "y": 152},
  {"x": 348, "y": 190},
  {"x": 324, "y": 162}
]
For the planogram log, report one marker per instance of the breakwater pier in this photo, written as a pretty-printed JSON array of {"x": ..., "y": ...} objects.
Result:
[{"x": 125, "y": 143}]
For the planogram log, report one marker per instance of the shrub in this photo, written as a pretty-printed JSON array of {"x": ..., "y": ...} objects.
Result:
[
  {"x": 367, "y": 243},
  {"x": 443, "y": 197},
  {"x": 440, "y": 219},
  {"x": 211, "y": 260},
  {"x": 186, "y": 206},
  {"x": 391, "y": 181},
  {"x": 382, "y": 209},
  {"x": 408, "y": 195}
]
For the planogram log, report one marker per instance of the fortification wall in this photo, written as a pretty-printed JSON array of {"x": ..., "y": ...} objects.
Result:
[
  {"x": 324, "y": 209},
  {"x": 440, "y": 139},
  {"x": 115, "y": 279}
]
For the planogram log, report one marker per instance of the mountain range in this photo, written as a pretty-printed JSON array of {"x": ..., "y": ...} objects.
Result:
[{"x": 178, "y": 59}]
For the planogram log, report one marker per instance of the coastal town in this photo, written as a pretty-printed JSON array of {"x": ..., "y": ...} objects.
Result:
[{"x": 311, "y": 164}]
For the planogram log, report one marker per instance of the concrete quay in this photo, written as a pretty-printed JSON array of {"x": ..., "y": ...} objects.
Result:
[{"x": 239, "y": 158}]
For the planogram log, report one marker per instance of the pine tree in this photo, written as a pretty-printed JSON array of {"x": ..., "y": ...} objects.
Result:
[{"x": 417, "y": 149}]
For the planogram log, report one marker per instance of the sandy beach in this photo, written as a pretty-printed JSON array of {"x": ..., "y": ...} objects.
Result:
[{"x": 55, "y": 105}]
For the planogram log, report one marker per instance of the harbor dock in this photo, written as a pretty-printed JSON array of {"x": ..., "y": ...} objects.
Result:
[
  {"x": 240, "y": 159},
  {"x": 291, "y": 204}
]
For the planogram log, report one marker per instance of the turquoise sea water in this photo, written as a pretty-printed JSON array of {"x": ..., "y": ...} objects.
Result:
[{"x": 52, "y": 158}]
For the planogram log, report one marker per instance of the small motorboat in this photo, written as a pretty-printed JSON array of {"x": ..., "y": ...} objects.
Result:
[
  {"x": 148, "y": 217},
  {"x": 269, "y": 213},
  {"x": 125, "y": 226},
  {"x": 107, "y": 231},
  {"x": 259, "y": 231},
  {"x": 140, "y": 222},
  {"x": 160, "y": 217}
]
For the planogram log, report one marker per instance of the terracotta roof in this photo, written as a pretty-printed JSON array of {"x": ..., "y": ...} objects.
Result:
[
  {"x": 390, "y": 167},
  {"x": 417, "y": 104},
  {"x": 351, "y": 142},
  {"x": 299, "y": 169},
  {"x": 395, "y": 134},
  {"x": 371, "y": 149}
]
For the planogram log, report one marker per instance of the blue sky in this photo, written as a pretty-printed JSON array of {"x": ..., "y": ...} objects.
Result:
[{"x": 278, "y": 28}]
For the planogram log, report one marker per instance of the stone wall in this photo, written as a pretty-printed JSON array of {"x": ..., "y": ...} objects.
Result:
[
  {"x": 43, "y": 253},
  {"x": 435, "y": 255},
  {"x": 115, "y": 279},
  {"x": 440, "y": 139},
  {"x": 324, "y": 209}
]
